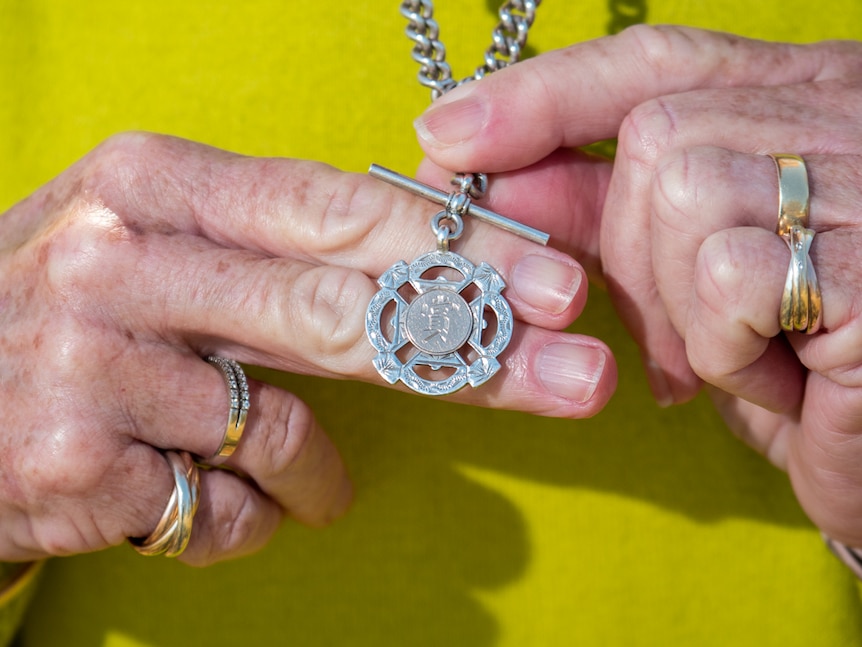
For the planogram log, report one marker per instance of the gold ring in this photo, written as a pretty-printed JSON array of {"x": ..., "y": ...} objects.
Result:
[
  {"x": 237, "y": 386},
  {"x": 801, "y": 303},
  {"x": 174, "y": 529}
]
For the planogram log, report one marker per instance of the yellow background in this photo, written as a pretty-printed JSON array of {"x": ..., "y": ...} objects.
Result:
[{"x": 471, "y": 528}]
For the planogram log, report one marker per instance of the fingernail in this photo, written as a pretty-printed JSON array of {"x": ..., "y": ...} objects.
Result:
[
  {"x": 546, "y": 284},
  {"x": 451, "y": 122},
  {"x": 658, "y": 383},
  {"x": 571, "y": 371}
]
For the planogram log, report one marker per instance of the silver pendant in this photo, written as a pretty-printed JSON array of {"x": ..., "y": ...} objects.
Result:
[
  {"x": 440, "y": 322},
  {"x": 439, "y": 334}
]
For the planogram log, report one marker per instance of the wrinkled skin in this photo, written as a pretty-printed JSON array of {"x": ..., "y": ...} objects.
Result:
[
  {"x": 153, "y": 252},
  {"x": 681, "y": 226}
]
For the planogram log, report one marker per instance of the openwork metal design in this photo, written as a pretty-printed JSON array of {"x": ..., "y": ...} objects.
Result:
[{"x": 439, "y": 328}]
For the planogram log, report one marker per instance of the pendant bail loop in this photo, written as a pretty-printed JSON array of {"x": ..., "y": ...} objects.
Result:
[
  {"x": 443, "y": 240},
  {"x": 446, "y": 225}
]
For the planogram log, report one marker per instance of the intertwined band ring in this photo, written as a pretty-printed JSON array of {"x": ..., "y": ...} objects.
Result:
[
  {"x": 174, "y": 529},
  {"x": 801, "y": 303},
  {"x": 237, "y": 385}
]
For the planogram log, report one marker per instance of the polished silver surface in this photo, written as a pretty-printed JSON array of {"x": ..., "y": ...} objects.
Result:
[
  {"x": 442, "y": 198},
  {"x": 417, "y": 344},
  {"x": 434, "y": 341},
  {"x": 439, "y": 322},
  {"x": 508, "y": 40}
]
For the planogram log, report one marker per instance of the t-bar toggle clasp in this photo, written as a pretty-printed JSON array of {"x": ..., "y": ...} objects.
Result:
[{"x": 435, "y": 195}]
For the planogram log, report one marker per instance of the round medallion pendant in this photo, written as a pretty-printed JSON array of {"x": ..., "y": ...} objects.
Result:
[
  {"x": 439, "y": 322},
  {"x": 438, "y": 335}
]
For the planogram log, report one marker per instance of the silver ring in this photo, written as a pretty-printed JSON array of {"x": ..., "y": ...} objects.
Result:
[
  {"x": 237, "y": 385},
  {"x": 173, "y": 531}
]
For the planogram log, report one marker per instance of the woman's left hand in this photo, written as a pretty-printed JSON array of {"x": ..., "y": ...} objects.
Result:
[{"x": 683, "y": 223}]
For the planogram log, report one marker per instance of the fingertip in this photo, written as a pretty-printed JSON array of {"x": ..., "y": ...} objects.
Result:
[
  {"x": 452, "y": 120},
  {"x": 658, "y": 383},
  {"x": 339, "y": 505},
  {"x": 551, "y": 285},
  {"x": 670, "y": 385},
  {"x": 582, "y": 372},
  {"x": 316, "y": 490}
]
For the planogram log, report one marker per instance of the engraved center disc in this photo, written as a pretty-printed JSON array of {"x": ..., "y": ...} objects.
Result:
[{"x": 439, "y": 322}]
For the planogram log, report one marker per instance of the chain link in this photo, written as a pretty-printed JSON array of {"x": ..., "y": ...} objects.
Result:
[
  {"x": 507, "y": 42},
  {"x": 473, "y": 184}
]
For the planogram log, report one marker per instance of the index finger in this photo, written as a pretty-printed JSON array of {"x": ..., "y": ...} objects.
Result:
[
  {"x": 581, "y": 94},
  {"x": 146, "y": 185}
]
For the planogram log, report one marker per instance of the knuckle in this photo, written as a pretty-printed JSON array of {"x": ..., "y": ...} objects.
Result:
[
  {"x": 290, "y": 428},
  {"x": 352, "y": 209},
  {"x": 75, "y": 259},
  {"x": 654, "y": 46},
  {"x": 114, "y": 170},
  {"x": 51, "y": 469},
  {"x": 239, "y": 530},
  {"x": 127, "y": 178},
  {"x": 331, "y": 303},
  {"x": 95, "y": 227},
  {"x": 652, "y": 126},
  {"x": 648, "y": 131},
  {"x": 675, "y": 195},
  {"x": 719, "y": 275},
  {"x": 236, "y": 528}
]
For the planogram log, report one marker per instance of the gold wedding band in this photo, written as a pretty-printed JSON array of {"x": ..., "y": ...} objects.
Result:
[
  {"x": 237, "y": 386},
  {"x": 801, "y": 307},
  {"x": 173, "y": 531}
]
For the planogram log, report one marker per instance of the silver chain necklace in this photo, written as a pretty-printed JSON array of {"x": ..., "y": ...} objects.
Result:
[
  {"x": 440, "y": 322},
  {"x": 507, "y": 42}
]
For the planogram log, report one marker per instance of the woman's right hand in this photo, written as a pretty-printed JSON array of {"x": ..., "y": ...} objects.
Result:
[{"x": 151, "y": 253}]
